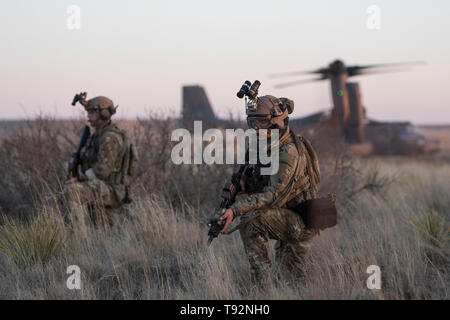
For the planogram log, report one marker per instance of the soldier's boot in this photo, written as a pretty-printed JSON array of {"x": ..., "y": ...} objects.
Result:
[{"x": 258, "y": 254}]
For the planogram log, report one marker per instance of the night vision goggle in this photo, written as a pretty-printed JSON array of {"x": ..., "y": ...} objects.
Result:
[{"x": 259, "y": 122}]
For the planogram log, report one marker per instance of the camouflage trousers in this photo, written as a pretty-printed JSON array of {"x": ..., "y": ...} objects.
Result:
[
  {"x": 93, "y": 201},
  {"x": 291, "y": 248}
]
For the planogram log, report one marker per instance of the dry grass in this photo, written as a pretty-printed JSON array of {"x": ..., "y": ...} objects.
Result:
[
  {"x": 442, "y": 133},
  {"x": 394, "y": 213}
]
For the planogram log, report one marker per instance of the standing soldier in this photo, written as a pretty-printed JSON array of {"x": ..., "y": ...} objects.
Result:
[
  {"x": 264, "y": 205},
  {"x": 108, "y": 162}
]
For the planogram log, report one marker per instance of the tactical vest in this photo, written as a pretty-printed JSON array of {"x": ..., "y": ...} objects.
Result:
[
  {"x": 302, "y": 186},
  {"x": 129, "y": 159},
  {"x": 126, "y": 163},
  {"x": 254, "y": 182}
]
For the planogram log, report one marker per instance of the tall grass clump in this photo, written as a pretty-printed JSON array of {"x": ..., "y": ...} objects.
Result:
[
  {"x": 433, "y": 228},
  {"x": 28, "y": 243}
]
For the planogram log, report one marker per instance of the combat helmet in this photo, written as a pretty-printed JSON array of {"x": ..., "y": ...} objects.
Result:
[
  {"x": 269, "y": 112},
  {"x": 103, "y": 104}
]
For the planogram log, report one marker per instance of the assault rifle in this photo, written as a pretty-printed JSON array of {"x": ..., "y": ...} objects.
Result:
[
  {"x": 75, "y": 159},
  {"x": 229, "y": 192}
]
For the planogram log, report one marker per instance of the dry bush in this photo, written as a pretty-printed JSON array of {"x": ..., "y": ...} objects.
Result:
[
  {"x": 157, "y": 174},
  {"x": 433, "y": 227},
  {"x": 344, "y": 174},
  {"x": 33, "y": 160}
]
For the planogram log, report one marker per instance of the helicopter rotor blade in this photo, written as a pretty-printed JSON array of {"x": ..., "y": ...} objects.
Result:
[
  {"x": 375, "y": 71},
  {"x": 293, "y": 83},
  {"x": 357, "y": 70},
  {"x": 296, "y": 73}
]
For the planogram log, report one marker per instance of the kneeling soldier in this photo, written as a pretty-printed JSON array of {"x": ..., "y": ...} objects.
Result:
[
  {"x": 265, "y": 204},
  {"x": 108, "y": 161}
]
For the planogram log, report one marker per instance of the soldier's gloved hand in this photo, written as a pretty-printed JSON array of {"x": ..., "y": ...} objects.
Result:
[{"x": 228, "y": 218}]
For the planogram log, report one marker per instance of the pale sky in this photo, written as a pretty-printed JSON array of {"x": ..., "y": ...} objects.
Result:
[{"x": 140, "y": 53}]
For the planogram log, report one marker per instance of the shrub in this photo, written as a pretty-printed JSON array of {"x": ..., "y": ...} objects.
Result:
[
  {"x": 432, "y": 227},
  {"x": 30, "y": 243}
]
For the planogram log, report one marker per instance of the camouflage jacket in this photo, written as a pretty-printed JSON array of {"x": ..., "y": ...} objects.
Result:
[
  {"x": 104, "y": 154},
  {"x": 265, "y": 192}
]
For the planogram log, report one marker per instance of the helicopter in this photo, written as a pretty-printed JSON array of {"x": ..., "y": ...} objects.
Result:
[{"x": 349, "y": 116}]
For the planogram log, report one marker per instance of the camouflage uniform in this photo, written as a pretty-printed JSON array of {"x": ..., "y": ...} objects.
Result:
[
  {"x": 105, "y": 162},
  {"x": 264, "y": 211}
]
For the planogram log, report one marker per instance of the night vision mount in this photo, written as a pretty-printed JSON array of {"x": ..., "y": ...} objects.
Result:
[
  {"x": 250, "y": 91},
  {"x": 81, "y": 98}
]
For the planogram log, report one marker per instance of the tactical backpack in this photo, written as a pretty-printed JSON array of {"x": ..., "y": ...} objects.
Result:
[
  {"x": 319, "y": 212},
  {"x": 312, "y": 163},
  {"x": 129, "y": 162},
  {"x": 303, "y": 146}
]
